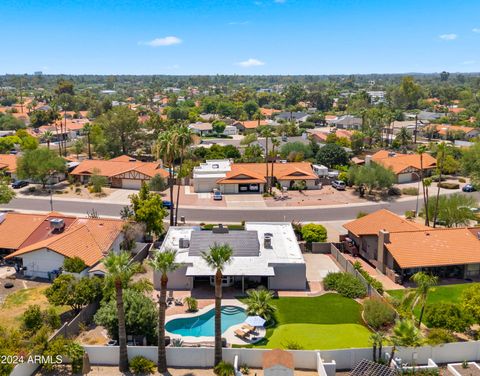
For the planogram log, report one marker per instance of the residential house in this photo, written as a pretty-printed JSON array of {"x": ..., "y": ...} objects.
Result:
[
  {"x": 200, "y": 128},
  {"x": 297, "y": 117},
  {"x": 249, "y": 125},
  {"x": 268, "y": 112},
  {"x": 447, "y": 131},
  {"x": 399, "y": 248},
  {"x": 8, "y": 165},
  {"x": 40, "y": 243},
  {"x": 407, "y": 167},
  {"x": 231, "y": 177},
  {"x": 321, "y": 135},
  {"x": 121, "y": 172},
  {"x": 347, "y": 122},
  {"x": 263, "y": 254}
]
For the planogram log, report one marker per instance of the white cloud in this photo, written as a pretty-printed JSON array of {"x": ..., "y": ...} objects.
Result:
[
  {"x": 476, "y": 29},
  {"x": 448, "y": 36},
  {"x": 160, "y": 42},
  {"x": 239, "y": 23},
  {"x": 468, "y": 62},
  {"x": 251, "y": 63}
]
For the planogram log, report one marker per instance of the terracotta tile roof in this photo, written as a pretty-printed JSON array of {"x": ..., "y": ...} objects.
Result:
[
  {"x": 399, "y": 162},
  {"x": 382, "y": 219},
  {"x": 434, "y": 247},
  {"x": 456, "y": 110},
  {"x": 117, "y": 166},
  {"x": 251, "y": 124},
  {"x": 443, "y": 129},
  {"x": 17, "y": 227},
  {"x": 8, "y": 162},
  {"x": 268, "y": 111},
  {"x": 277, "y": 357},
  {"x": 255, "y": 172},
  {"x": 89, "y": 239}
]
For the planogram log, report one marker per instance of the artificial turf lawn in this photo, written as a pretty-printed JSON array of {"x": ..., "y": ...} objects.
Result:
[
  {"x": 447, "y": 293},
  {"x": 324, "y": 322}
]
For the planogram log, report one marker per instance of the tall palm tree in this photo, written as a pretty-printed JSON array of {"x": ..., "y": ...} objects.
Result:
[
  {"x": 87, "y": 129},
  {"x": 267, "y": 133},
  {"x": 47, "y": 137},
  {"x": 424, "y": 284},
  {"x": 275, "y": 144},
  {"x": 167, "y": 150},
  {"x": 405, "y": 334},
  {"x": 421, "y": 150},
  {"x": 404, "y": 137},
  {"x": 184, "y": 140},
  {"x": 441, "y": 153},
  {"x": 377, "y": 340},
  {"x": 163, "y": 262},
  {"x": 217, "y": 258},
  {"x": 120, "y": 270}
]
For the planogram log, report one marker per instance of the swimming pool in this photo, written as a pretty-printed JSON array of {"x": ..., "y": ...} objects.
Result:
[{"x": 204, "y": 324}]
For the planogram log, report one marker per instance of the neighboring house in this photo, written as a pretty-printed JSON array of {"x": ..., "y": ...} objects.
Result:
[
  {"x": 330, "y": 119},
  {"x": 399, "y": 248},
  {"x": 8, "y": 165},
  {"x": 201, "y": 129},
  {"x": 298, "y": 117},
  {"x": 263, "y": 254},
  {"x": 249, "y": 125},
  {"x": 409, "y": 125},
  {"x": 377, "y": 96},
  {"x": 121, "y": 172},
  {"x": 231, "y": 177},
  {"x": 405, "y": 166},
  {"x": 347, "y": 122},
  {"x": 278, "y": 362},
  {"x": 230, "y": 130},
  {"x": 447, "y": 131},
  {"x": 427, "y": 115},
  {"x": 321, "y": 135},
  {"x": 268, "y": 112},
  {"x": 41, "y": 243}
]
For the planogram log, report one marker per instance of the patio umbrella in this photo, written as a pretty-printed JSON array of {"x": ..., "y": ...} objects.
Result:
[{"x": 255, "y": 321}]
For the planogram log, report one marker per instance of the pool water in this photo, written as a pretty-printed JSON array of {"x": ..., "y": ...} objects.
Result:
[{"x": 204, "y": 325}]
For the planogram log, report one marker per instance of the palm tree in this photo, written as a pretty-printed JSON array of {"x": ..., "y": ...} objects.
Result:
[
  {"x": 424, "y": 283},
  {"x": 184, "y": 140},
  {"x": 47, "y": 137},
  {"x": 404, "y": 137},
  {"x": 87, "y": 129},
  {"x": 267, "y": 133},
  {"x": 275, "y": 144},
  {"x": 405, "y": 334},
  {"x": 259, "y": 303},
  {"x": 167, "y": 150},
  {"x": 421, "y": 150},
  {"x": 377, "y": 340},
  {"x": 120, "y": 270},
  {"x": 441, "y": 153},
  {"x": 163, "y": 262},
  {"x": 217, "y": 258}
]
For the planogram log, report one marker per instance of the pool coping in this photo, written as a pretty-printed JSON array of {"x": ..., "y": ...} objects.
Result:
[{"x": 228, "y": 334}]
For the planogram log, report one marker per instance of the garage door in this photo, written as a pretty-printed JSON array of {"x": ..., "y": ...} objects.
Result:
[
  {"x": 131, "y": 184},
  {"x": 203, "y": 187},
  {"x": 404, "y": 178}
]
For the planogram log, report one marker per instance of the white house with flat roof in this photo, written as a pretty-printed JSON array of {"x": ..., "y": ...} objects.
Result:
[
  {"x": 264, "y": 253},
  {"x": 206, "y": 175}
]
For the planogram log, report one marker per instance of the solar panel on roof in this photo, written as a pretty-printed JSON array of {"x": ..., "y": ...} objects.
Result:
[{"x": 243, "y": 243}]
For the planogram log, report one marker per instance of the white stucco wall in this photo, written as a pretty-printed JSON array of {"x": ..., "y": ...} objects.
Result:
[
  {"x": 177, "y": 280},
  {"x": 288, "y": 277},
  {"x": 40, "y": 262}
]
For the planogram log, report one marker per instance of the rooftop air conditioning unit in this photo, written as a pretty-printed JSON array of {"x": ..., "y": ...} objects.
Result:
[
  {"x": 184, "y": 243},
  {"x": 267, "y": 240},
  {"x": 57, "y": 224}
]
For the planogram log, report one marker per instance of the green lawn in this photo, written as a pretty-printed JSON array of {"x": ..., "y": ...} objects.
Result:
[
  {"x": 448, "y": 293},
  {"x": 325, "y": 322}
]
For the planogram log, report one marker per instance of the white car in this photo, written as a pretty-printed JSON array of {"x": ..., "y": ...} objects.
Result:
[
  {"x": 339, "y": 185},
  {"x": 217, "y": 195}
]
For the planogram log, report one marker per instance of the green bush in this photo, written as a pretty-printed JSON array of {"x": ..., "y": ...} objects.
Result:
[
  {"x": 345, "y": 284},
  {"x": 462, "y": 180},
  {"x": 438, "y": 336},
  {"x": 410, "y": 214},
  {"x": 32, "y": 319},
  {"x": 140, "y": 365},
  {"x": 191, "y": 303},
  {"x": 376, "y": 284},
  {"x": 410, "y": 191},
  {"x": 312, "y": 232},
  {"x": 292, "y": 345},
  {"x": 446, "y": 185},
  {"x": 377, "y": 313},
  {"x": 361, "y": 214},
  {"x": 52, "y": 318},
  {"x": 74, "y": 265},
  {"x": 97, "y": 181},
  {"x": 224, "y": 369},
  {"x": 447, "y": 315}
]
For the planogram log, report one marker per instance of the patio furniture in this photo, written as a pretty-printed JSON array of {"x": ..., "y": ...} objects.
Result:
[
  {"x": 248, "y": 328},
  {"x": 242, "y": 334},
  {"x": 178, "y": 302}
]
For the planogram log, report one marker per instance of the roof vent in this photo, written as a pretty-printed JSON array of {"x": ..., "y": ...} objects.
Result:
[
  {"x": 184, "y": 243},
  {"x": 391, "y": 154},
  {"x": 57, "y": 224},
  {"x": 220, "y": 229},
  {"x": 267, "y": 240}
]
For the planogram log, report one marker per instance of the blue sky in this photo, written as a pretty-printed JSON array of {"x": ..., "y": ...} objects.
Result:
[{"x": 239, "y": 36}]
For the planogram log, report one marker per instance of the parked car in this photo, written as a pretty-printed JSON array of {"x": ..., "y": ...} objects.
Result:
[
  {"x": 468, "y": 188},
  {"x": 339, "y": 185},
  {"x": 19, "y": 184},
  {"x": 167, "y": 204},
  {"x": 217, "y": 195}
]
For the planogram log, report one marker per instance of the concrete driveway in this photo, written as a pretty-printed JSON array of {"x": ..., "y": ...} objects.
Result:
[
  {"x": 318, "y": 266},
  {"x": 245, "y": 201}
]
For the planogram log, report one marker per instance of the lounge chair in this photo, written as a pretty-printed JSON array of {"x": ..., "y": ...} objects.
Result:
[
  {"x": 178, "y": 302},
  {"x": 240, "y": 333},
  {"x": 248, "y": 328}
]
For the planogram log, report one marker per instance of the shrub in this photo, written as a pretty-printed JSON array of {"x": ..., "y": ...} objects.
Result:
[
  {"x": 462, "y": 180},
  {"x": 361, "y": 214},
  {"x": 191, "y": 303},
  {"x": 157, "y": 183},
  {"x": 410, "y": 191},
  {"x": 438, "y": 336},
  {"x": 52, "y": 318},
  {"x": 97, "y": 181},
  {"x": 345, "y": 284},
  {"x": 292, "y": 345},
  {"x": 224, "y": 369},
  {"x": 446, "y": 315},
  {"x": 32, "y": 318},
  {"x": 446, "y": 185},
  {"x": 394, "y": 191},
  {"x": 74, "y": 265},
  {"x": 410, "y": 214},
  {"x": 244, "y": 369},
  {"x": 377, "y": 313},
  {"x": 376, "y": 284},
  {"x": 142, "y": 366},
  {"x": 312, "y": 232}
]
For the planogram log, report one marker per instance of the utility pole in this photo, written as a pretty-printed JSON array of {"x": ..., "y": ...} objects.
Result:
[{"x": 416, "y": 127}]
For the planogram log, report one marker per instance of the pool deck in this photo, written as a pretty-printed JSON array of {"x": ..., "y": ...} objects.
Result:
[{"x": 229, "y": 334}]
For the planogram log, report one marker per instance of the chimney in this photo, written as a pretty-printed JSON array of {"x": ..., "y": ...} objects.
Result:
[{"x": 383, "y": 238}]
